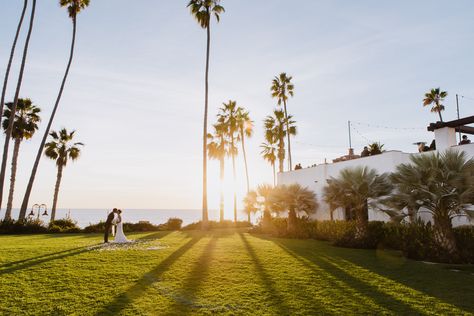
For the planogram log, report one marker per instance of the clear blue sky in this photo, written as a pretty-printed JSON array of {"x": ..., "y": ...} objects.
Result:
[{"x": 135, "y": 91}]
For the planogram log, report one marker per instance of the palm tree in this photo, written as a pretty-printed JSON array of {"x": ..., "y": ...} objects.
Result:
[
  {"x": 355, "y": 188},
  {"x": 281, "y": 89},
  {"x": 295, "y": 199},
  {"x": 219, "y": 148},
  {"x": 266, "y": 204},
  {"x": 442, "y": 185},
  {"x": 8, "y": 132},
  {"x": 10, "y": 60},
  {"x": 202, "y": 10},
  {"x": 24, "y": 127},
  {"x": 276, "y": 127},
  {"x": 229, "y": 117},
  {"x": 61, "y": 150},
  {"x": 435, "y": 97},
  {"x": 269, "y": 153},
  {"x": 375, "y": 148},
  {"x": 251, "y": 203},
  {"x": 73, "y": 7},
  {"x": 245, "y": 126}
]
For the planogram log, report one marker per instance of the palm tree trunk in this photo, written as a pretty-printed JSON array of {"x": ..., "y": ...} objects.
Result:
[
  {"x": 281, "y": 153},
  {"x": 274, "y": 174},
  {"x": 444, "y": 236},
  {"x": 291, "y": 221},
  {"x": 221, "y": 204},
  {"x": 266, "y": 221},
  {"x": 8, "y": 132},
  {"x": 10, "y": 60},
  {"x": 288, "y": 135},
  {"x": 205, "y": 215},
  {"x": 16, "y": 150},
  {"x": 235, "y": 187},
  {"x": 245, "y": 161},
  {"x": 24, "y": 204},
  {"x": 440, "y": 117},
  {"x": 56, "y": 192},
  {"x": 362, "y": 224}
]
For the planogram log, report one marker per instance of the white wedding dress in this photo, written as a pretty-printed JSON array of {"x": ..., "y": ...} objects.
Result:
[{"x": 119, "y": 235}]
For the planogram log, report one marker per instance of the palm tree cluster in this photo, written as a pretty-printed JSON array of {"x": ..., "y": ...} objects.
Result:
[
  {"x": 439, "y": 184},
  {"x": 294, "y": 200},
  {"x": 233, "y": 126},
  {"x": 21, "y": 117},
  {"x": 279, "y": 126}
]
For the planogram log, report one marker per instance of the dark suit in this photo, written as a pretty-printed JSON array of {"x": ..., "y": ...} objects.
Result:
[{"x": 108, "y": 226}]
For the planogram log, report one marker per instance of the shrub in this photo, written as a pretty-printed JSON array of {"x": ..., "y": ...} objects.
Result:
[
  {"x": 140, "y": 227},
  {"x": 465, "y": 241},
  {"x": 218, "y": 225},
  {"x": 28, "y": 226},
  {"x": 65, "y": 225},
  {"x": 174, "y": 223},
  {"x": 95, "y": 228}
]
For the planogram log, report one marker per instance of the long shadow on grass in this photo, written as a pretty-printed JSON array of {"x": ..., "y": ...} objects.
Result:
[
  {"x": 155, "y": 235},
  {"x": 317, "y": 263},
  {"x": 200, "y": 271},
  {"x": 43, "y": 259},
  {"x": 9, "y": 264},
  {"x": 362, "y": 270},
  {"x": 277, "y": 300},
  {"x": 126, "y": 298}
]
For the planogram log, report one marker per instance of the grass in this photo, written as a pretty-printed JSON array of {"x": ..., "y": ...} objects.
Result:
[{"x": 220, "y": 272}]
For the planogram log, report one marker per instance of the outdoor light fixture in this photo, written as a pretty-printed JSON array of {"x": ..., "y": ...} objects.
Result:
[
  {"x": 45, "y": 213},
  {"x": 31, "y": 213}
]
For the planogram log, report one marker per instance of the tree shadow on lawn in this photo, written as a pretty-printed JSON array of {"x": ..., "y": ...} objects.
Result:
[
  {"x": 131, "y": 294},
  {"x": 28, "y": 263},
  {"x": 405, "y": 284},
  {"x": 9, "y": 264},
  {"x": 277, "y": 299},
  {"x": 187, "y": 295}
]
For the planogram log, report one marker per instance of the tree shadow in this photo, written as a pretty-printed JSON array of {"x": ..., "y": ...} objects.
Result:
[
  {"x": 9, "y": 264},
  {"x": 399, "y": 283},
  {"x": 154, "y": 235},
  {"x": 277, "y": 300},
  {"x": 131, "y": 294},
  {"x": 367, "y": 293},
  {"x": 43, "y": 259},
  {"x": 187, "y": 295}
]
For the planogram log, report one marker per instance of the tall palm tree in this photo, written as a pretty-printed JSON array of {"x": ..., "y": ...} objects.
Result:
[
  {"x": 202, "y": 11},
  {"x": 441, "y": 184},
  {"x": 296, "y": 199},
  {"x": 12, "y": 54},
  {"x": 355, "y": 188},
  {"x": 229, "y": 116},
  {"x": 245, "y": 125},
  {"x": 24, "y": 127},
  {"x": 277, "y": 127},
  {"x": 435, "y": 97},
  {"x": 8, "y": 132},
  {"x": 73, "y": 7},
  {"x": 219, "y": 148},
  {"x": 61, "y": 149},
  {"x": 282, "y": 88},
  {"x": 269, "y": 153}
]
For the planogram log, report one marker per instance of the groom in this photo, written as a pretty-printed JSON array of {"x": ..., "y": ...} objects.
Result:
[{"x": 108, "y": 224}]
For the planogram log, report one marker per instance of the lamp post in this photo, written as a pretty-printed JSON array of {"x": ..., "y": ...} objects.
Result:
[{"x": 38, "y": 208}]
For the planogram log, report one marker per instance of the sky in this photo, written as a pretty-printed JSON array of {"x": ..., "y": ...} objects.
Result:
[{"x": 135, "y": 93}]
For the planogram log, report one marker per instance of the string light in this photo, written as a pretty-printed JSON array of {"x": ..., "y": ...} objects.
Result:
[{"x": 387, "y": 127}]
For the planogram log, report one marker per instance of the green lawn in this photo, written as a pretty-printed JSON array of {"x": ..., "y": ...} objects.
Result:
[{"x": 222, "y": 272}]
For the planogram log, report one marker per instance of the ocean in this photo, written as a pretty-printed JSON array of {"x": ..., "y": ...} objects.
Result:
[{"x": 84, "y": 217}]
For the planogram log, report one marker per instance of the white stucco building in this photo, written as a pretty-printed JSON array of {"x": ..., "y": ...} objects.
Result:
[{"x": 315, "y": 178}]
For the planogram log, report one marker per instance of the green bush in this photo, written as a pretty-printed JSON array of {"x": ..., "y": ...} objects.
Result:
[
  {"x": 65, "y": 225},
  {"x": 28, "y": 226},
  {"x": 465, "y": 241},
  {"x": 415, "y": 240},
  {"x": 217, "y": 225},
  {"x": 174, "y": 223}
]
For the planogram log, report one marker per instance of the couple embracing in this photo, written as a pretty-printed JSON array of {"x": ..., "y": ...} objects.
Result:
[{"x": 115, "y": 219}]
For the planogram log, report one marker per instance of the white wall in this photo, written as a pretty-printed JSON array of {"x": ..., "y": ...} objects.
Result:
[{"x": 315, "y": 178}]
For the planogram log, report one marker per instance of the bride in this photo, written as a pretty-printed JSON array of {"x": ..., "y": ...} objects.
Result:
[{"x": 119, "y": 235}]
